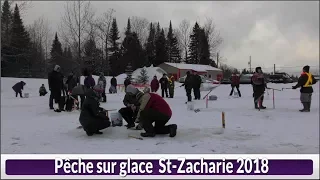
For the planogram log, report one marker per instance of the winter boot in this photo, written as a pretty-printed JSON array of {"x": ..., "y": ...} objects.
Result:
[
  {"x": 98, "y": 132},
  {"x": 130, "y": 126},
  {"x": 261, "y": 102},
  {"x": 305, "y": 107},
  {"x": 256, "y": 105},
  {"x": 173, "y": 130},
  {"x": 148, "y": 134},
  {"x": 89, "y": 133}
]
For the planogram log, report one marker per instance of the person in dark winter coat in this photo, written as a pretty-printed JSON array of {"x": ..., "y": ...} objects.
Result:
[
  {"x": 127, "y": 112},
  {"x": 80, "y": 90},
  {"x": 18, "y": 87},
  {"x": 164, "y": 85},
  {"x": 153, "y": 109},
  {"x": 89, "y": 81},
  {"x": 92, "y": 117},
  {"x": 154, "y": 84},
  {"x": 71, "y": 82},
  {"x": 114, "y": 84},
  {"x": 56, "y": 86},
  {"x": 42, "y": 90},
  {"x": 196, "y": 85},
  {"x": 259, "y": 86},
  {"x": 235, "y": 82},
  {"x": 102, "y": 80},
  {"x": 305, "y": 82},
  {"x": 171, "y": 86},
  {"x": 188, "y": 84},
  {"x": 127, "y": 81}
]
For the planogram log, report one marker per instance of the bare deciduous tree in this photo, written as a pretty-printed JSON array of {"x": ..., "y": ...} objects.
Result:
[
  {"x": 140, "y": 26},
  {"x": 184, "y": 36},
  {"x": 214, "y": 37},
  {"x": 22, "y": 5},
  {"x": 75, "y": 24}
]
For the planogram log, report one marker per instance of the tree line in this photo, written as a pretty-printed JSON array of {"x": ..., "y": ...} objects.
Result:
[{"x": 85, "y": 40}]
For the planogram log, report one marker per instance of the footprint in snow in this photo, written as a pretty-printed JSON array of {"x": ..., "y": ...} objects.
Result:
[{"x": 15, "y": 138}]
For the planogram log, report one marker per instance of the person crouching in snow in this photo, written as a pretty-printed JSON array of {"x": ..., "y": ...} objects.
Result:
[
  {"x": 129, "y": 112},
  {"x": 154, "y": 84},
  {"x": 305, "y": 81},
  {"x": 42, "y": 90},
  {"x": 92, "y": 117},
  {"x": 259, "y": 86},
  {"x": 153, "y": 108},
  {"x": 18, "y": 87}
]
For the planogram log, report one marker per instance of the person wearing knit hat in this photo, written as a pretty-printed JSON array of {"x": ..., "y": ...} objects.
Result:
[
  {"x": 56, "y": 86},
  {"x": 154, "y": 109},
  {"x": 259, "y": 86},
  {"x": 305, "y": 82}
]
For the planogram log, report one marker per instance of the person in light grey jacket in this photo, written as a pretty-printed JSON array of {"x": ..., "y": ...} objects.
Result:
[{"x": 102, "y": 80}]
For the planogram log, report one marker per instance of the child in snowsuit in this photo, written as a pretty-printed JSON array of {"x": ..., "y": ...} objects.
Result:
[
  {"x": 259, "y": 86},
  {"x": 171, "y": 87},
  {"x": 235, "y": 81},
  {"x": 42, "y": 90},
  {"x": 18, "y": 88},
  {"x": 154, "y": 84},
  {"x": 306, "y": 80}
]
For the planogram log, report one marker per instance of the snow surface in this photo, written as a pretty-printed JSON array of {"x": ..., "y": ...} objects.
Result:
[{"x": 28, "y": 126}]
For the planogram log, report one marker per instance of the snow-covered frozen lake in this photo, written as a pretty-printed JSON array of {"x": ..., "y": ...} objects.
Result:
[{"x": 28, "y": 126}]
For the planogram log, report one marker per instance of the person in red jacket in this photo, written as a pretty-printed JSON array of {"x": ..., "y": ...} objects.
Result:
[
  {"x": 154, "y": 84},
  {"x": 235, "y": 82},
  {"x": 153, "y": 109}
]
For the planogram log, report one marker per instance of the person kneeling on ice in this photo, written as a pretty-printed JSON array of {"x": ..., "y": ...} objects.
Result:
[
  {"x": 92, "y": 117},
  {"x": 18, "y": 87},
  {"x": 42, "y": 90},
  {"x": 305, "y": 81},
  {"x": 129, "y": 112},
  {"x": 153, "y": 108}
]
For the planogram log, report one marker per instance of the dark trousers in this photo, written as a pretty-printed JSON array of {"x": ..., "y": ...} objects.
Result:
[
  {"x": 159, "y": 119},
  {"x": 51, "y": 101},
  {"x": 58, "y": 99},
  {"x": 196, "y": 93},
  {"x": 104, "y": 97},
  {"x": 42, "y": 93},
  {"x": 188, "y": 92},
  {"x": 237, "y": 87},
  {"x": 98, "y": 124},
  {"x": 82, "y": 98},
  {"x": 128, "y": 115},
  {"x": 19, "y": 92},
  {"x": 164, "y": 90},
  {"x": 258, "y": 95}
]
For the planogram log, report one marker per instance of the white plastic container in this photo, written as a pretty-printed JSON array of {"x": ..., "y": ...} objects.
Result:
[
  {"x": 26, "y": 95},
  {"x": 115, "y": 118},
  {"x": 190, "y": 106}
]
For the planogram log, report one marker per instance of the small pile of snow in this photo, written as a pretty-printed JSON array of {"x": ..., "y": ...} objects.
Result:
[
  {"x": 151, "y": 71},
  {"x": 194, "y": 67}
]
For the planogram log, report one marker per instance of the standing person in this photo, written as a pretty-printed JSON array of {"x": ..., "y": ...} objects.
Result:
[
  {"x": 171, "y": 86},
  {"x": 196, "y": 85},
  {"x": 235, "y": 82},
  {"x": 153, "y": 109},
  {"x": 259, "y": 86},
  {"x": 71, "y": 82},
  {"x": 127, "y": 81},
  {"x": 89, "y": 81},
  {"x": 18, "y": 87},
  {"x": 92, "y": 117},
  {"x": 56, "y": 86},
  {"x": 127, "y": 112},
  {"x": 154, "y": 84},
  {"x": 164, "y": 85},
  {"x": 188, "y": 84},
  {"x": 103, "y": 82},
  {"x": 305, "y": 81},
  {"x": 114, "y": 84}
]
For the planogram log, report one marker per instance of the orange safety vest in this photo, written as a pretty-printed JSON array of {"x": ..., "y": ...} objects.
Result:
[{"x": 309, "y": 81}]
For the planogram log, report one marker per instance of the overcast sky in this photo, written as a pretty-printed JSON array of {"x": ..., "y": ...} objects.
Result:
[{"x": 281, "y": 33}]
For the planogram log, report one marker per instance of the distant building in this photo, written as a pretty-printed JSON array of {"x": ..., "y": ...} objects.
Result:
[{"x": 179, "y": 70}]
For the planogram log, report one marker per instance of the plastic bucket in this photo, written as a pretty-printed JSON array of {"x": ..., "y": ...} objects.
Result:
[
  {"x": 116, "y": 119},
  {"x": 26, "y": 95},
  {"x": 190, "y": 106}
]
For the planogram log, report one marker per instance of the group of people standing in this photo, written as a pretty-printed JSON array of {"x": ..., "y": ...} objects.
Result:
[
  {"x": 192, "y": 82},
  {"x": 166, "y": 83}
]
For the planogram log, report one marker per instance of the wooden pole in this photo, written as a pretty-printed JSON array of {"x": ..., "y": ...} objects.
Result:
[
  {"x": 223, "y": 120},
  {"x": 274, "y": 106}
]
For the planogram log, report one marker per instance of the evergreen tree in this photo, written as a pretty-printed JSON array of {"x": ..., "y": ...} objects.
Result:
[
  {"x": 114, "y": 48},
  {"x": 204, "y": 57},
  {"x": 69, "y": 53},
  {"x": 92, "y": 56},
  {"x": 150, "y": 46},
  {"x": 161, "y": 53},
  {"x": 65, "y": 52},
  {"x": 56, "y": 53},
  {"x": 20, "y": 37},
  {"x": 143, "y": 77},
  {"x": 193, "y": 57},
  {"x": 128, "y": 29},
  {"x": 172, "y": 47},
  {"x": 5, "y": 23},
  {"x": 158, "y": 31},
  {"x": 132, "y": 52}
]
